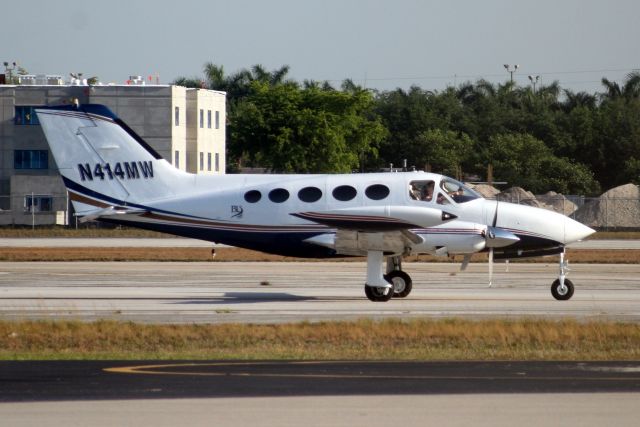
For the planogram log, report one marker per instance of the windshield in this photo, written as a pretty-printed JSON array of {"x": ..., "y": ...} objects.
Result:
[{"x": 459, "y": 192}]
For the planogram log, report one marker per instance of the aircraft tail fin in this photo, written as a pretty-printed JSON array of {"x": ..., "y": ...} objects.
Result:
[{"x": 103, "y": 162}]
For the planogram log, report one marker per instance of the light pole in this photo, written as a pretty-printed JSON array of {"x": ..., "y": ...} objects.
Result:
[
  {"x": 510, "y": 70},
  {"x": 534, "y": 81},
  {"x": 8, "y": 70}
]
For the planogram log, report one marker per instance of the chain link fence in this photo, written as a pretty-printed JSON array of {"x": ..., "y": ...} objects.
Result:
[{"x": 601, "y": 213}]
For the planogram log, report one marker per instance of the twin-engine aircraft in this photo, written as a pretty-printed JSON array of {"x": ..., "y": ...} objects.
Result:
[{"x": 112, "y": 175}]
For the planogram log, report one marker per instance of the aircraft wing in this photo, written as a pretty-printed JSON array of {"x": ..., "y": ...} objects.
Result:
[
  {"x": 378, "y": 228},
  {"x": 379, "y": 218}
]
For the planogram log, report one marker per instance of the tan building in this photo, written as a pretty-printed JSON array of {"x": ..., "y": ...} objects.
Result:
[{"x": 185, "y": 126}]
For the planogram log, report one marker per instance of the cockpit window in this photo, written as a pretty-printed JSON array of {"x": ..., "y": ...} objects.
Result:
[
  {"x": 457, "y": 191},
  {"x": 421, "y": 190}
]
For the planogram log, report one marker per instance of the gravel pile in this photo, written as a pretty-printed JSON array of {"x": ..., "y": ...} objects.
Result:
[
  {"x": 557, "y": 202},
  {"x": 617, "y": 208}
]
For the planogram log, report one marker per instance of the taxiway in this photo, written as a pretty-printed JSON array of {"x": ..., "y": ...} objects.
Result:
[{"x": 268, "y": 292}]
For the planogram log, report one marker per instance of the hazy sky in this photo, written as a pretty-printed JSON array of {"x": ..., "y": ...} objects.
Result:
[{"x": 384, "y": 44}]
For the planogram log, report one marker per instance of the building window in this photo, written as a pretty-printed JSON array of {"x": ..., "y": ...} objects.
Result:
[
  {"x": 201, "y": 118},
  {"x": 25, "y": 116},
  {"x": 209, "y": 119},
  {"x": 217, "y": 119},
  {"x": 31, "y": 159},
  {"x": 176, "y": 116},
  {"x": 209, "y": 162},
  {"x": 176, "y": 159},
  {"x": 201, "y": 161},
  {"x": 37, "y": 203},
  {"x": 217, "y": 162}
]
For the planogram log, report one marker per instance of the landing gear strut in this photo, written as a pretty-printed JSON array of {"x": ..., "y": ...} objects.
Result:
[
  {"x": 562, "y": 288},
  {"x": 377, "y": 288},
  {"x": 381, "y": 288}
]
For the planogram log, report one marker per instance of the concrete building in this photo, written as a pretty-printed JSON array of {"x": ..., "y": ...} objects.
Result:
[{"x": 185, "y": 126}]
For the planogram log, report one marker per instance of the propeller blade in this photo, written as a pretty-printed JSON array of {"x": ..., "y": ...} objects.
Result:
[
  {"x": 490, "y": 266},
  {"x": 465, "y": 262},
  {"x": 495, "y": 215}
]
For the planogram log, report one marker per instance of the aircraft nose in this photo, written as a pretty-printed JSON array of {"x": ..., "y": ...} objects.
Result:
[{"x": 574, "y": 231}]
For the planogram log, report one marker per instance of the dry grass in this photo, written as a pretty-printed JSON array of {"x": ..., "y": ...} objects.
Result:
[
  {"x": 237, "y": 254},
  {"x": 362, "y": 340}
]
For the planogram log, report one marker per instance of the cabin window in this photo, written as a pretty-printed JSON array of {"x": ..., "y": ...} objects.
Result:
[
  {"x": 278, "y": 195},
  {"x": 310, "y": 194},
  {"x": 377, "y": 192},
  {"x": 344, "y": 193},
  {"x": 421, "y": 190},
  {"x": 252, "y": 196}
]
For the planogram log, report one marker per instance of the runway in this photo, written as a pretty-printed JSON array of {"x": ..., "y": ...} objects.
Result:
[
  {"x": 276, "y": 292},
  {"x": 318, "y": 393}
]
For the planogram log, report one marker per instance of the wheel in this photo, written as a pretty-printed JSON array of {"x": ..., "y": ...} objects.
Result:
[
  {"x": 562, "y": 294},
  {"x": 378, "y": 294},
  {"x": 401, "y": 282}
]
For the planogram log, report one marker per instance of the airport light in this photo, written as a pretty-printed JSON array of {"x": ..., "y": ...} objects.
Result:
[
  {"x": 511, "y": 70},
  {"x": 534, "y": 81},
  {"x": 8, "y": 70}
]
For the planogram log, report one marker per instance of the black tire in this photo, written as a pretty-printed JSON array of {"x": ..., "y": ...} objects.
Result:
[
  {"x": 401, "y": 281},
  {"x": 378, "y": 294},
  {"x": 555, "y": 290}
]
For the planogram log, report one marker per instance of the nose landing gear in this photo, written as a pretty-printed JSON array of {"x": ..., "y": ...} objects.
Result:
[{"x": 562, "y": 288}]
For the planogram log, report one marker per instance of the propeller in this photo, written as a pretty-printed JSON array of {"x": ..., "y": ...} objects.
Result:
[{"x": 491, "y": 234}]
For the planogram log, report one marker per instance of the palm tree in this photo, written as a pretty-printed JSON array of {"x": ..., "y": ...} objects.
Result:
[
  {"x": 578, "y": 99},
  {"x": 629, "y": 90}
]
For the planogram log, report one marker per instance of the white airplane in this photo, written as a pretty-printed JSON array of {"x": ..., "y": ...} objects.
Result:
[{"x": 112, "y": 175}]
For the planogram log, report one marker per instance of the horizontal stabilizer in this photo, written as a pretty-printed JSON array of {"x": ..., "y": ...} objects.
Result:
[{"x": 110, "y": 211}]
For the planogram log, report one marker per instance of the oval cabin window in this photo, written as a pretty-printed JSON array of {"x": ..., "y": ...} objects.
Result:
[
  {"x": 310, "y": 194},
  {"x": 278, "y": 195},
  {"x": 377, "y": 192},
  {"x": 252, "y": 196},
  {"x": 344, "y": 193}
]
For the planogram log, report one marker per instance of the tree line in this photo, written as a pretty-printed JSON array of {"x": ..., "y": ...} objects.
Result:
[{"x": 547, "y": 139}]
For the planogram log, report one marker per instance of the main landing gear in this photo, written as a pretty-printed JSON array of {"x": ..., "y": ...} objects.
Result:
[
  {"x": 562, "y": 288},
  {"x": 381, "y": 288}
]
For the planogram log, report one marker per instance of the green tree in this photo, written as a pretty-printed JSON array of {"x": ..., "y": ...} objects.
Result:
[
  {"x": 527, "y": 162},
  {"x": 288, "y": 129},
  {"x": 446, "y": 151}
]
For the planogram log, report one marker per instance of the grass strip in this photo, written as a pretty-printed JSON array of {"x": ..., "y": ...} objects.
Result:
[
  {"x": 600, "y": 256},
  {"x": 395, "y": 339}
]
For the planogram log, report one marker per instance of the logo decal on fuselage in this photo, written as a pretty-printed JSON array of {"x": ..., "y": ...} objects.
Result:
[
  {"x": 122, "y": 170},
  {"x": 237, "y": 211}
]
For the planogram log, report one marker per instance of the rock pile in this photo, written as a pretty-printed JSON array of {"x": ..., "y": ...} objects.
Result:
[
  {"x": 617, "y": 208},
  {"x": 557, "y": 202}
]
